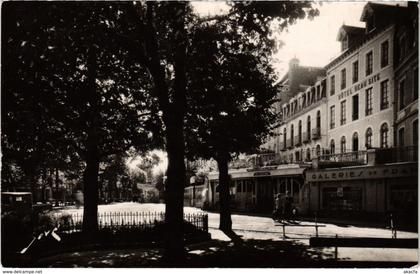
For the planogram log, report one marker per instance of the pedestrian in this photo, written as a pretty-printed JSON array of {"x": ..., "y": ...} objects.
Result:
[
  {"x": 277, "y": 207},
  {"x": 287, "y": 205}
]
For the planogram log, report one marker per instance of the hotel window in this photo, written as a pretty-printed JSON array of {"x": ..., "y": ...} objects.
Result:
[
  {"x": 355, "y": 142},
  {"x": 369, "y": 63},
  {"x": 401, "y": 137},
  {"x": 355, "y": 72},
  {"x": 384, "y": 95},
  {"x": 368, "y": 138},
  {"x": 343, "y": 112},
  {"x": 416, "y": 83},
  {"x": 332, "y": 147},
  {"x": 318, "y": 150},
  {"x": 332, "y": 84},
  {"x": 308, "y": 154},
  {"x": 355, "y": 100},
  {"x": 300, "y": 132},
  {"x": 308, "y": 128},
  {"x": 402, "y": 94},
  {"x": 384, "y": 54},
  {"x": 318, "y": 119},
  {"x": 384, "y": 135},
  {"x": 284, "y": 138},
  {"x": 403, "y": 47},
  {"x": 415, "y": 132},
  {"x": 343, "y": 145},
  {"x": 292, "y": 131},
  {"x": 343, "y": 78},
  {"x": 332, "y": 117},
  {"x": 368, "y": 102}
]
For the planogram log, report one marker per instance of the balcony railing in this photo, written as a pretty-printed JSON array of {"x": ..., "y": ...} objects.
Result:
[
  {"x": 396, "y": 154},
  {"x": 348, "y": 158},
  {"x": 298, "y": 141},
  {"x": 316, "y": 133}
]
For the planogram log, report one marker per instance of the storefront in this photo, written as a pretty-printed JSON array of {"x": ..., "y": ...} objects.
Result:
[
  {"x": 368, "y": 189},
  {"x": 254, "y": 189}
]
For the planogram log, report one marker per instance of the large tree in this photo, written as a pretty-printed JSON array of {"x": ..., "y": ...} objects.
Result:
[
  {"x": 80, "y": 87},
  {"x": 231, "y": 97}
]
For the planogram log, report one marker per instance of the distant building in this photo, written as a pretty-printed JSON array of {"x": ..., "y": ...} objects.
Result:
[{"x": 407, "y": 79}]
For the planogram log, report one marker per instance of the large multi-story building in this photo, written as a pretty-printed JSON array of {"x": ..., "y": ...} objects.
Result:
[
  {"x": 365, "y": 171},
  {"x": 347, "y": 133}
]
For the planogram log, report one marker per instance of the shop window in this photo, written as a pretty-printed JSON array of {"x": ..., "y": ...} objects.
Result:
[
  {"x": 239, "y": 186},
  {"x": 342, "y": 199}
]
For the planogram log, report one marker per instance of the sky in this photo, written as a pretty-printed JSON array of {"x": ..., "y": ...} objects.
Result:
[{"x": 313, "y": 42}]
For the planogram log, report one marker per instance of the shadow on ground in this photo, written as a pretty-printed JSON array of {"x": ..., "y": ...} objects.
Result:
[{"x": 238, "y": 253}]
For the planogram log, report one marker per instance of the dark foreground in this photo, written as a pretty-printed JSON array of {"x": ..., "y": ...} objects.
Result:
[{"x": 248, "y": 253}]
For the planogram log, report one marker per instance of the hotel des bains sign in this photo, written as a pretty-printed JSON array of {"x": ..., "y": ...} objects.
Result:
[
  {"x": 363, "y": 84},
  {"x": 363, "y": 173}
]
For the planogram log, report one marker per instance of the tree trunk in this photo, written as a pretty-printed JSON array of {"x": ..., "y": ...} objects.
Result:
[
  {"x": 57, "y": 194},
  {"x": 90, "y": 187},
  {"x": 91, "y": 174},
  {"x": 174, "y": 192},
  {"x": 224, "y": 195}
]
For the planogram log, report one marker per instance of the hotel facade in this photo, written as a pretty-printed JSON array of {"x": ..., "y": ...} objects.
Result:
[{"x": 346, "y": 137}]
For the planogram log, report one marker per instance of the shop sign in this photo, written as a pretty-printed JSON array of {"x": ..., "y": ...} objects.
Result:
[
  {"x": 262, "y": 173},
  {"x": 363, "y": 84},
  {"x": 362, "y": 173}
]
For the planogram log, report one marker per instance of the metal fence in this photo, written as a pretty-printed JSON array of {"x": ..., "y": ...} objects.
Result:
[{"x": 126, "y": 220}]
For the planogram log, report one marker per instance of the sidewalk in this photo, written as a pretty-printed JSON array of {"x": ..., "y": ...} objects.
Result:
[{"x": 257, "y": 250}]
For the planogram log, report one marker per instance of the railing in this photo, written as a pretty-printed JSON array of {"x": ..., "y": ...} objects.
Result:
[
  {"x": 316, "y": 133},
  {"x": 358, "y": 157},
  {"x": 268, "y": 159},
  {"x": 396, "y": 154},
  {"x": 69, "y": 223}
]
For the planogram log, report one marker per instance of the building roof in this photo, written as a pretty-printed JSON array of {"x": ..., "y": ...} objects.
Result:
[
  {"x": 349, "y": 30},
  {"x": 382, "y": 9}
]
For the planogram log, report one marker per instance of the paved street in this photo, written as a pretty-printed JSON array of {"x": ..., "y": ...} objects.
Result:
[{"x": 264, "y": 228}]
